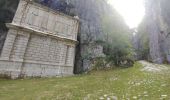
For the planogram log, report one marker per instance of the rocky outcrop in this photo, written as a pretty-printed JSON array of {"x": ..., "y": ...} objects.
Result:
[
  {"x": 158, "y": 23},
  {"x": 90, "y": 13}
]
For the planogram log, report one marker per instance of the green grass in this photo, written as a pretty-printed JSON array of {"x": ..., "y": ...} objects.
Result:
[{"x": 120, "y": 83}]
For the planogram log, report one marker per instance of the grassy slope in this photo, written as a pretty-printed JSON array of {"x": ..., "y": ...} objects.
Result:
[{"x": 122, "y": 83}]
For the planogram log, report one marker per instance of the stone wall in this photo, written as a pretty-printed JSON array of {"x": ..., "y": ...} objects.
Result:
[{"x": 40, "y": 43}]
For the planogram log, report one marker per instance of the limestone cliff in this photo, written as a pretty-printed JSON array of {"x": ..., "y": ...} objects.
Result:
[
  {"x": 90, "y": 13},
  {"x": 158, "y": 27}
]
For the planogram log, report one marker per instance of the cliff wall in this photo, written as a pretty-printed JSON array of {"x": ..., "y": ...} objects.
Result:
[{"x": 158, "y": 27}]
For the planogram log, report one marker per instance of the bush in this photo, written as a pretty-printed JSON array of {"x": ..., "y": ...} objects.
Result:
[
  {"x": 99, "y": 63},
  {"x": 119, "y": 55}
]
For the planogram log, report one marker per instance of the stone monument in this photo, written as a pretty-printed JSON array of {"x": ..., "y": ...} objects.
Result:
[{"x": 40, "y": 43}]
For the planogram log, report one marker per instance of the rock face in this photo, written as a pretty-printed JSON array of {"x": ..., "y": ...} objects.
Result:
[
  {"x": 158, "y": 23},
  {"x": 7, "y": 11},
  {"x": 141, "y": 42},
  {"x": 90, "y": 13}
]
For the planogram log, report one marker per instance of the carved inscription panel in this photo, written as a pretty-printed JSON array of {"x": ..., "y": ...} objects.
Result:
[{"x": 44, "y": 19}]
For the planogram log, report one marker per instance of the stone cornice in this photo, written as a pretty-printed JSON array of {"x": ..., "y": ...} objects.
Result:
[{"x": 34, "y": 31}]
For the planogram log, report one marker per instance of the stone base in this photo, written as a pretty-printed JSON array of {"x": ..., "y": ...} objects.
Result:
[
  {"x": 10, "y": 69},
  {"x": 14, "y": 70}
]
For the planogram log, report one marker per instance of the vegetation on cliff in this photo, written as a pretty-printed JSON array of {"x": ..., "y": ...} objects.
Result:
[{"x": 118, "y": 44}]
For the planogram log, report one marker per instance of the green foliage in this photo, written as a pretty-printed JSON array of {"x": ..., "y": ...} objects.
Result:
[
  {"x": 118, "y": 39},
  {"x": 99, "y": 63}
]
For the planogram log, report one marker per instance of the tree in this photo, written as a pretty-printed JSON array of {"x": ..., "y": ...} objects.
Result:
[{"x": 118, "y": 46}]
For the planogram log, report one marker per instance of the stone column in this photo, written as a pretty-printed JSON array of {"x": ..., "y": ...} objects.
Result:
[
  {"x": 10, "y": 39},
  {"x": 19, "y": 47}
]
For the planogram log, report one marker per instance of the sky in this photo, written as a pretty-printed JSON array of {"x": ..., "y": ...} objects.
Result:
[{"x": 131, "y": 10}]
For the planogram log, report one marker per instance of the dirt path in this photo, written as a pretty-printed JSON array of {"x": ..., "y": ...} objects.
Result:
[{"x": 150, "y": 67}]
